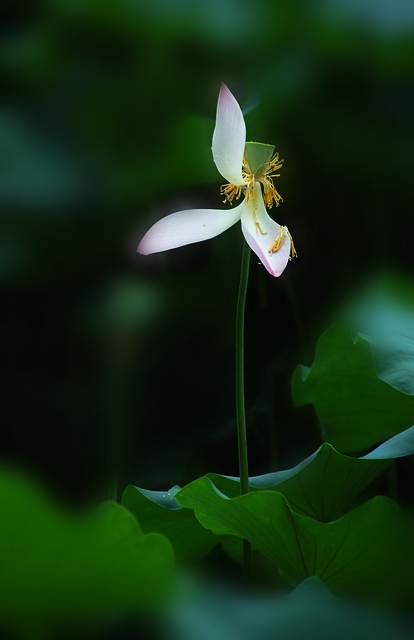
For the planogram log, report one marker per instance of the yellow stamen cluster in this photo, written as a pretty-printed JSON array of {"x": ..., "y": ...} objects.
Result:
[
  {"x": 230, "y": 191},
  {"x": 293, "y": 252},
  {"x": 270, "y": 194},
  {"x": 264, "y": 175},
  {"x": 278, "y": 243}
]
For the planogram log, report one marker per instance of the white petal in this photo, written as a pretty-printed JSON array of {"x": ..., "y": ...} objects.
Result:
[
  {"x": 260, "y": 242},
  {"x": 186, "y": 227},
  {"x": 229, "y": 137}
]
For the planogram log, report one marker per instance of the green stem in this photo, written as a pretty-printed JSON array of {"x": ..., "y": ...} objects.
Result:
[{"x": 240, "y": 404}]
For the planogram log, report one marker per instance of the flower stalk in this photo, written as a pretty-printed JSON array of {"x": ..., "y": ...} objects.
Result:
[{"x": 240, "y": 401}]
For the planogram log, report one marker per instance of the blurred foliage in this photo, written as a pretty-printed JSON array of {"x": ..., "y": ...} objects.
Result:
[
  {"x": 362, "y": 386},
  {"x": 58, "y": 571},
  {"x": 310, "y": 612},
  {"x": 356, "y": 409},
  {"x": 384, "y": 316}
]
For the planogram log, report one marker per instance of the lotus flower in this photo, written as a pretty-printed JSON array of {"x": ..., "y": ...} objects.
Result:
[{"x": 249, "y": 169}]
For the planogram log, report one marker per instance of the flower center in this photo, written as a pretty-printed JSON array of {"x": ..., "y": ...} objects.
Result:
[
  {"x": 263, "y": 174},
  {"x": 260, "y": 163}
]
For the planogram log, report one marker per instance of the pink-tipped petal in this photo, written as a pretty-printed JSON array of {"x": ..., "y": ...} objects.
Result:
[
  {"x": 187, "y": 227},
  {"x": 262, "y": 239},
  {"x": 229, "y": 137}
]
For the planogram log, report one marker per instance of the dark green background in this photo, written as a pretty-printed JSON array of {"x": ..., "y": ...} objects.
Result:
[{"x": 107, "y": 112}]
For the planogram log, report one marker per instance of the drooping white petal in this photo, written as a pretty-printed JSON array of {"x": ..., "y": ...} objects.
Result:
[
  {"x": 187, "y": 227},
  {"x": 229, "y": 137},
  {"x": 261, "y": 232}
]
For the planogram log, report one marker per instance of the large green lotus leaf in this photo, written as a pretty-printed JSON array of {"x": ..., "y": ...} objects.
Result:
[
  {"x": 265, "y": 572},
  {"x": 355, "y": 551},
  {"x": 58, "y": 569},
  {"x": 356, "y": 409},
  {"x": 326, "y": 482},
  {"x": 159, "y": 511},
  {"x": 385, "y": 319}
]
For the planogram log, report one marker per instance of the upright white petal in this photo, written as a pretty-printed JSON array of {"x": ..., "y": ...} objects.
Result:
[
  {"x": 261, "y": 232},
  {"x": 187, "y": 227},
  {"x": 229, "y": 137}
]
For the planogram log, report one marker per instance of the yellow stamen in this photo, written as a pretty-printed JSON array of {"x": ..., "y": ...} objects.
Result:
[
  {"x": 293, "y": 252},
  {"x": 259, "y": 228},
  {"x": 270, "y": 194},
  {"x": 230, "y": 191},
  {"x": 278, "y": 243},
  {"x": 249, "y": 188}
]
